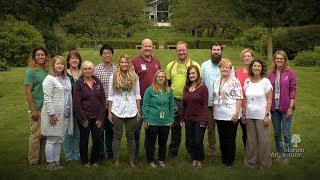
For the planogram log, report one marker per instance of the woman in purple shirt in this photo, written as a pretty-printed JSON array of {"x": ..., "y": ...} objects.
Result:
[
  {"x": 89, "y": 101},
  {"x": 283, "y": 80}
]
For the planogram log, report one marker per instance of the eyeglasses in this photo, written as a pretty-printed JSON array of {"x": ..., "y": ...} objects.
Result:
[{"x": 279, "y": 58}]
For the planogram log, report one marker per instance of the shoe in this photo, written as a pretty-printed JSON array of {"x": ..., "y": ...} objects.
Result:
[
  {"x": 58, "y": 166},
  {"x": 152, "y": 165},
  {"x": 131, "y": 163},
  {"x": 87, "y": 165},
  {"x": 194, "y": 163},
  {"x": 95, "y": 165},
  {"x": 162, "y": 164},
  {"x": 211, "y": 151},
  {"x": 199, "y": 165},
  {"x": 51, "y": 166}
]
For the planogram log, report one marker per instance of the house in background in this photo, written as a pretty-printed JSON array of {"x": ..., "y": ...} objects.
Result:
[{"x": 158, "y": 12}]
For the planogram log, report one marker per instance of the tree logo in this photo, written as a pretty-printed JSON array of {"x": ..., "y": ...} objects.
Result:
[{"x": 295, "y": 140}]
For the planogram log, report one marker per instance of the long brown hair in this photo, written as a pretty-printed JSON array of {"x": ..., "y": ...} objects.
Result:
[
  {"x": 198, "y": 80},
  {"x": 130, "y": 75},
  {"x": 155, "y": 86},
  {"x": 32, "y": 63}
]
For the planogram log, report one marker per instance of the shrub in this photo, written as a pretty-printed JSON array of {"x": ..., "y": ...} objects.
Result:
[
  {"x": 250, "y": 37},
  {"x": 307, "y": 59},
  {"x": 4, "y": 65},
  {"x": 17, "y": 39},
  {"x": 296, "y": 39}
]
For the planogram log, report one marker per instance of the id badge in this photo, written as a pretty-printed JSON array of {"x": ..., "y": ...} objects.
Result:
[
  {"x": 161, "y": 115},
  {"x": 277, "y": 96},
  {"x": 143, "y": 67}
]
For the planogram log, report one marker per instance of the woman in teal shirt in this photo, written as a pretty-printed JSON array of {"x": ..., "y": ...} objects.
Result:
[{"x": 158, "y": 114}]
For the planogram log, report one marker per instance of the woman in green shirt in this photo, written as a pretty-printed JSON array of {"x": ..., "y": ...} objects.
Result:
[{"x": 158, "y": 114}]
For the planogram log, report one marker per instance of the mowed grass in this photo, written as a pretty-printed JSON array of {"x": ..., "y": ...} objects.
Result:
[{"x": 14, "y": 132}]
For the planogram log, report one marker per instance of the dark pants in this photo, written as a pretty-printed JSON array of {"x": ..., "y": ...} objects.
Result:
[
  {"x": 152, "y": 132},
  {"x": 194, "y": 137},
  {"x": 176, "y": 132},
  {"x": 137, "y": 130},
  {"x": 107, "y": 138},
  {"x": 227, "y": 136},
  {"x": 96, "y": 134},
  {"x": 244, "y": 132}
]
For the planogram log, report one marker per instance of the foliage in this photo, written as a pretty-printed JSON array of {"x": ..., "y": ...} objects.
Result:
[
  {"x": 101, "y": 19},
  {"x": 307, "y": 59},
  {"x": 17, "y": 39},
  {"x": 199, "y": 15}
]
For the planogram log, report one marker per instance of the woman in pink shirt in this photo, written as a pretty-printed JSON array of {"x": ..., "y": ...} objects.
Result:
[{"x": 242, "y": 74}]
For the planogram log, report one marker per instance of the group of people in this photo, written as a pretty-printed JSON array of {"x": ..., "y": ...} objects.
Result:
[{"x": 70, "y": 99}]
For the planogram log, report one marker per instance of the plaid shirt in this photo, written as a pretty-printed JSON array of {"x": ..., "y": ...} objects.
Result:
[{"x": 103, "y": 73}]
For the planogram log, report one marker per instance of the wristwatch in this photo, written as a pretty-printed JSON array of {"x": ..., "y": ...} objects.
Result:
[{"x": 267, "y": 114}]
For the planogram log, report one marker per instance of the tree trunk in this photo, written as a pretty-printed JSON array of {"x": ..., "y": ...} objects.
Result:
[{"x": 269, "y": 44}]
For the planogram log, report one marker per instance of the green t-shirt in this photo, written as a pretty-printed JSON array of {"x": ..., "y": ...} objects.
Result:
[
  {"x": 177, "y": 73},
  {"x": 34, "y": 78}
]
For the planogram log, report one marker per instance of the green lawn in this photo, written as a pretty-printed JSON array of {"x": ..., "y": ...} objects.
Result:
[{"x": 14, "y": 128}]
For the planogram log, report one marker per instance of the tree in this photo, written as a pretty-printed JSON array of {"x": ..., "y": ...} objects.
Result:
[
  {"x": 105, "y": 19},
  {"x": 204, "y": 14},
  {"x": 277, "y": 13}
]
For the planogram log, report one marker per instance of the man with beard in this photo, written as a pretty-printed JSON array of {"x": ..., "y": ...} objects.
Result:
[
  {"x": 176, "y": 72},
  {"x": 145, "y": 65},
  {"x": 211, "y": 71}
]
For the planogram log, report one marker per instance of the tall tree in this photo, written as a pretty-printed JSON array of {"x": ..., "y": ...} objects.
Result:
[{"x": 277, "y": 13}]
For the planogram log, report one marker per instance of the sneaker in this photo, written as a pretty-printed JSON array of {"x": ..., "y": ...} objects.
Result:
[
  {"x": 152, "y": 165},
  {"x": 95, "y": 165},
  {"x": 162, "y": 164},
  {"x": 87, "y": 165},
  {"x": 194, "y": 163},
  {"x": 51, "y": 166},
  {"x": 58, "y": 166},
  {"x": 211, "y": 151},
  {"x": 131, "y": 163}
]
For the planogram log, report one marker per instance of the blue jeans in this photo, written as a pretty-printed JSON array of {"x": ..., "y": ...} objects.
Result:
[
  {"x": 282, "y": 126},
  {"x": 71, "y": 144}
]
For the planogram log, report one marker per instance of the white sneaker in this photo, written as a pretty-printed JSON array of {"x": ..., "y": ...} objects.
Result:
[
  {"x": 162, "y": 164},
  {"x": 152, "y": 165}
]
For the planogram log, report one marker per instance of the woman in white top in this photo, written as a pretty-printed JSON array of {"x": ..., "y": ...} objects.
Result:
[
  {"x": 258, "y": 90},
  {"x": 124, "y": 106},
  {"x": 227, "y": 98},
  {"x": 56, "y": 114}
]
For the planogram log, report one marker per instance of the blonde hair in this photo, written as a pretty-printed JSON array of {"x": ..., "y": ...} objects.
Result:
[
  {"x": 245, "y": 51},
  {"x": 182, "y": 42},
  {"x": 225, "y": 62},
  {"x": 155, "y": 86},
  {"x": 119, "y": 83},
  {"x": 86, "y": 64},
  {"x": 286, "y": 60},
  {"x": 63, "y": 61}
]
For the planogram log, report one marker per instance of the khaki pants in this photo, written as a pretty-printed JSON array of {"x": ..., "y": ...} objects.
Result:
[
  {"x": 36, "y": 143},
  {"x": 257, "y": 147},
  {"x": 211, "y": 129}
]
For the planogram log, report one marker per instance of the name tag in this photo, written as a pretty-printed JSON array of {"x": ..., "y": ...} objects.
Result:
[
  {"x": 277, "y": 96},
  {"x": 143, "y": 67}
]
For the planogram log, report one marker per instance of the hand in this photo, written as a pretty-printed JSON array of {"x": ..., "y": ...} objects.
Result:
[
  {"x": 85, "y": 123},
  {"x": 146, "y": 126},
  {"x": 266, "y": 121},
  {"x": 234, "y": 118},
  {"x": 110, "y": 117},
  {"x": 202, "y": 126},
  {"x": 244, "y": 119},
  {"x": 99, "y": 123},
  {"x": 53, "y": 120},
  {"x": 138, "y": 116},
  {"x": 289, "y": 113},
  {"x": 170, "y": 126},
  {"x": 35, "y": 115},
  {"x": 182, "y": 124}
]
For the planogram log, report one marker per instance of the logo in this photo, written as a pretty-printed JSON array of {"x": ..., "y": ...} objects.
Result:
[{"x": 290, "y": 150}]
